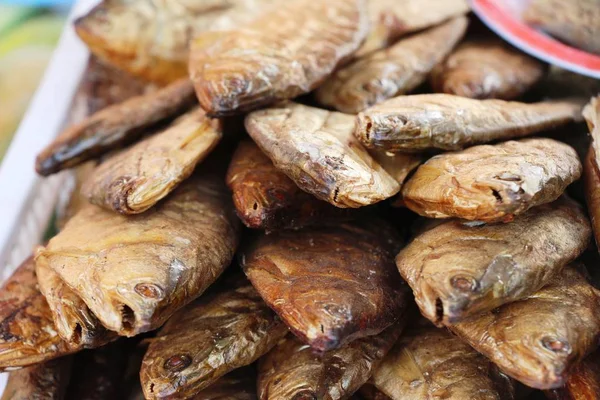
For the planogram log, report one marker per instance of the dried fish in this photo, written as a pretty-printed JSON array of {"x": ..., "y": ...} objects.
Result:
[
  {"x": 265, "y": 198},
  {"x": 113, "y": 126},
  {"x": 574, "y": 22},
  {"x": 583, "y": 382},
  {"x": 492, "y": 183},
  {"x": 208, "y": 339},
  {"x": 429, "y": 363},
  {"x": 293, "y": 370},
  {"x": 134, "y": 272},
  {"x": 537, "y": 340},
  {"x": 287, "y": 52},
  {"x": 73, "y": 320},
  {"x": 447, "y": 122},
  {"x": 134, "y": 180},
  {"x": 98, "y": 374},
  {"x": 316, "y": 149},
  {"x": 487, "y": 69},
  {"x": 391, "y": 19},
  {"x": 27, "y": 333},
  {"x": 458, "y": 269},
  {"x": 73, "y": 200},
  {"x": 591, "y": 166},
  {"x": 392, "y": 71},
  {"x": 44, "y": 381},
  {"x": 330, "y": 285},
  {"x": 397, "y": 165},
  {"x": 150, "y": 38}
]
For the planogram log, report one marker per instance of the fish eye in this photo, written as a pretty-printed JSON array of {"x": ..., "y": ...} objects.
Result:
[
  {"x": 463, "y": 283},
  {"x": 177, "y": 362},
  {"x": 149, "y": 290},
  {"x": 556, "y": 345}
]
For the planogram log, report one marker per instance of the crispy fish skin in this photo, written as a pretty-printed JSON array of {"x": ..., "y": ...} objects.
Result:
[
  {"x": 395, "y": 70},
  {"x": 287, "y": 52},
  {"x": 150, "y": 38},
  {"x": 134, "y": 180},
  {"x": 457, "y": 269},
  {"x": 575, "y": 22},
  {"x": 293, "y": 370},
  {"x": 134, "y": 272},
  {"x": 583, "y": 382},
  {"x": 486, "y": 69},
  {"x": 113, "y": 126},
  {"x": 73, "y": 320},
  {"x": 492, "y": 183},
  {"x": 443, "y": 121},
  {"x": 27, "y": 332},
  {"x": 430, "y": 364},
  {"x": 392, "y": 19},
  {"x": 208, "y": 339},
  {"x": 315, "y": 148},
  {"x": 265, "y": 198},
  {"x": 326, "y": 284},
  {"x": 44, "y": 381},
  {"x": 591, "y": 170},
  {"x": 537, "y": 340}
]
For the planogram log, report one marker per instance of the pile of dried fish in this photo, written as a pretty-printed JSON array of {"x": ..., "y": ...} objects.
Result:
[{"x": 375, "y": 151}]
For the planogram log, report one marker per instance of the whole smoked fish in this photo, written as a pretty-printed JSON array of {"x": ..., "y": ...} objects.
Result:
[
  {"x": 293, "y": 370},
  {"x": 265, "y": 198},
  {"x": 492, "y": 182},
  {"x": 134, "y": 272},
  {"x": 486, "y": 69},
  {"x": 288, "y": 51},
  {"x": 134, "y": 180},
  {"x": 208, "y": 339},
  {"x": 539, "y": 339},
  {"x": 326, "y": 284},
  {"x": 442, "y": 121},
  {"x": 428, "y": 363},
  {"x": 395, "y": 70},
  {"x": 458, "y": 269},
  {"x": 113, "y": 126},
  {"x": 316, "y": 149}
]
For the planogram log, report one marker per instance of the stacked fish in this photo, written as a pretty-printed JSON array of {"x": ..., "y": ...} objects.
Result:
[{"x": 258, "y": 210}]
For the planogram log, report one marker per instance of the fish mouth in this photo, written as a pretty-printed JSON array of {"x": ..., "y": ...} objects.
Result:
[{"x": 441, "y": 310}]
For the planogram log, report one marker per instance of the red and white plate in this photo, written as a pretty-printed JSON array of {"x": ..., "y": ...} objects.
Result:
[{"x": 504, "y": 18}]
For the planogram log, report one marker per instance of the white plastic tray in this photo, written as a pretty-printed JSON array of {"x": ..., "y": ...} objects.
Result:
[{"x": 27, "y": 201}]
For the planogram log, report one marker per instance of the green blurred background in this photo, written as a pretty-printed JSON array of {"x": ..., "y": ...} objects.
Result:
[{"x": 28, "y": 35}]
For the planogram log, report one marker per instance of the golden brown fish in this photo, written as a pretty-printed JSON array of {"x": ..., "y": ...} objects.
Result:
[
  {"x": 265, "y": 198},
  {"x": 316, "y": 149},
  {"x": 492, "y": 182},
  {"x": 293, "y": 370},
  {"x": 207, "y": 339},
  {"x": 134, "y": 272},
  {"x": 98, "y": 374},
  {"x": 539, "y": 339},
  {"x": 583, "y": 382},
  {"x": 395, "y": 70},
  {"x": 431, "y": 364},
  {"x": 487, "y": 69},
  {"x": 287, "y": 52},
  {"x": 134, "y": 180},
  {"x": 114, "y": 125},
  {"x": 397, "y": 165},
  {"x": 575, "y": 21},
  {"x": 458, "y": 269},
  {"x": 27, "y": 332},
  {"x": 330, "y": 285},
  {"x": 391, "y": 19},
  {"x": 150, "y": 38},
  {"x": 591, "y": 167},
  {"x": 447, "y": 122},
  {"x": 73, "y": 320},
  {"x": 44, "y": 381}
]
